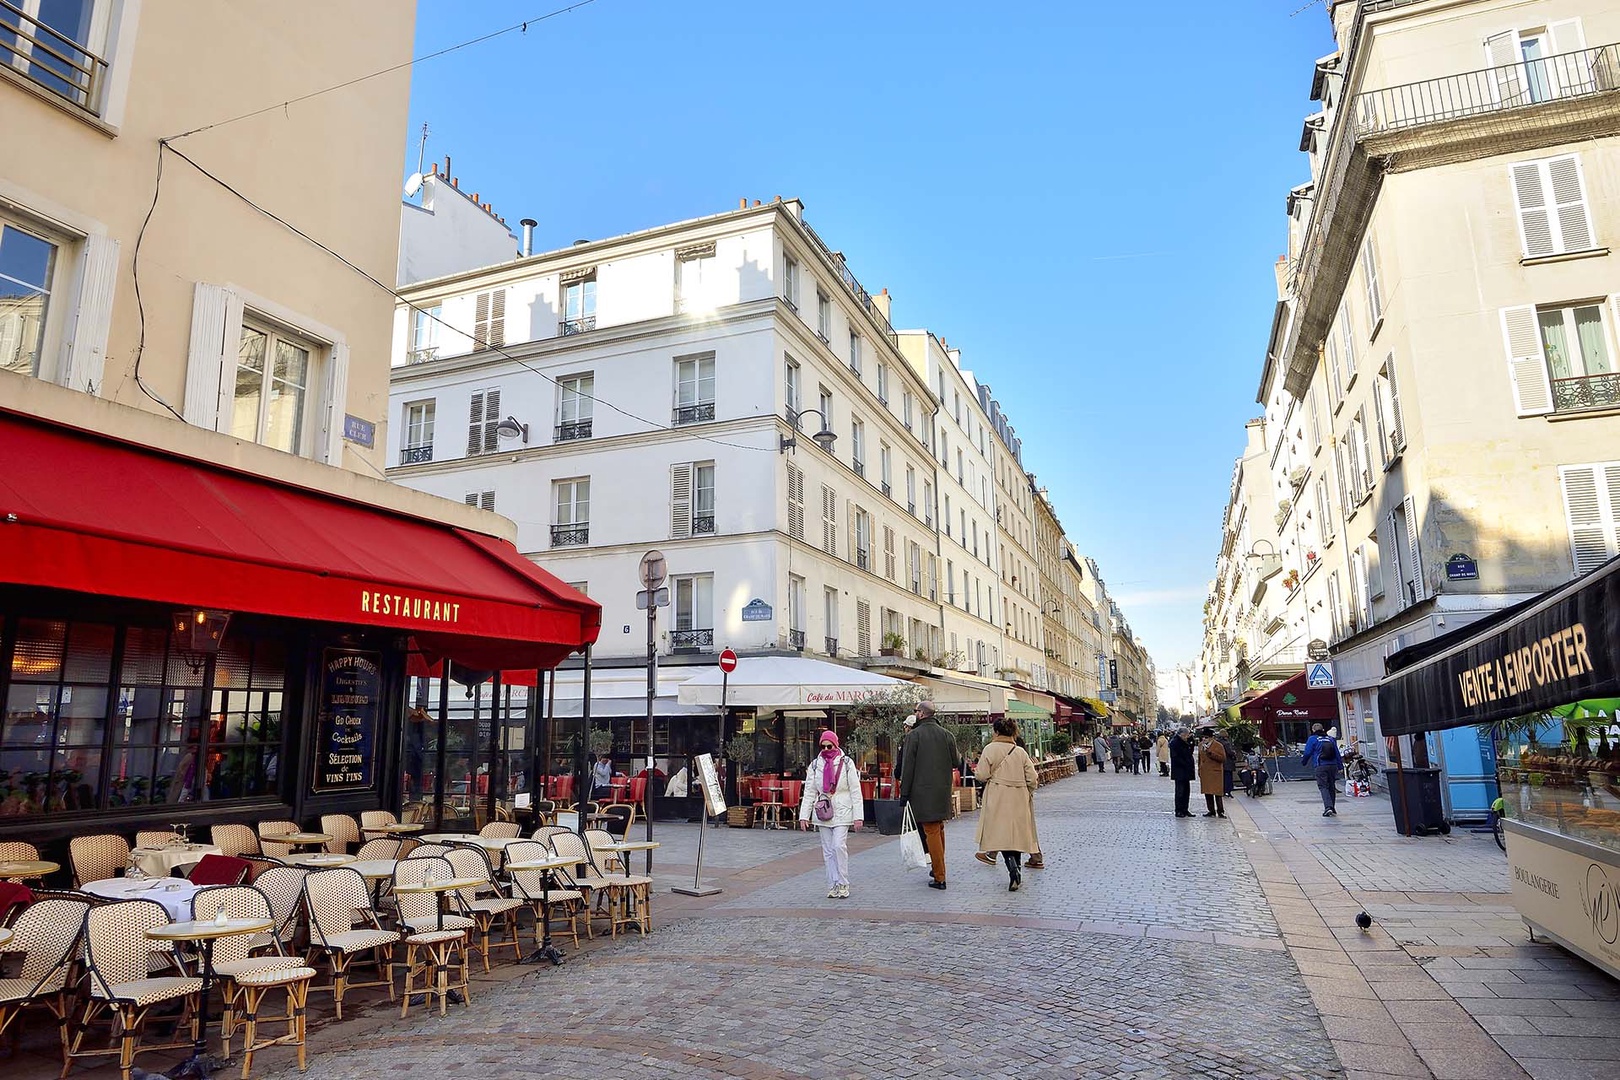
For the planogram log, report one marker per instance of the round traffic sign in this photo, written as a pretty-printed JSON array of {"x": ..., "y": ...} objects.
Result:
[
  {"x": 728, "y": 661},
  {"x": 653, "y": 569}
]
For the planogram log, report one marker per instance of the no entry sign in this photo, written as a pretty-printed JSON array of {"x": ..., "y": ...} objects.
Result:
[{"x": 728, "y": 661}]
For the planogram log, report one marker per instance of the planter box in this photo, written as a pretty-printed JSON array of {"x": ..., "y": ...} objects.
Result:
[
  {"x": 967, "y": 799},
  {"x": 740, "y": 817},
  {"x": 886, "y": 815}
]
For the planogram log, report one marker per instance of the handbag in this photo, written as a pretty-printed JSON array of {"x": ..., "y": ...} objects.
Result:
[
  {"x": 912, "y": 854},
  {"x": 823, "y": 805}
]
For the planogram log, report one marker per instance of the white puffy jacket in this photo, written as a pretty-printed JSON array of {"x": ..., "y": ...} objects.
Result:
[{"x": 846, "y": 797}]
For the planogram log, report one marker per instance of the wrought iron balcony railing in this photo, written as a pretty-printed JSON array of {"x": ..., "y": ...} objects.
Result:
[
  {"x": 571, "y": 430},
  {"x": 415, "y": 455},
  {"x": 885, "y": 488},
  {"x": 694, "y": 414},
  {"x": 702, "y": 524},
  {"x": 422, "y": 355},
  {"x": 574, "y": 535},
  {"x": 568, "y": 327},
  {"x": 51, "y": 59},
  {"x": 795, "y": 639},
  {"x": 863, "y": 558},
  {"x": 691, "y": 640},
  {"x": 862, "y": 297},
  {"x": 1582, "y": 392},
  {"x": 832, "y": 646},
  {"x": 1491, "y": 90}
]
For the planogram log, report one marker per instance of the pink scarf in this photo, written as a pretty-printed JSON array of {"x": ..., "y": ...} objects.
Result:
[{"x": 829, "y": 775}]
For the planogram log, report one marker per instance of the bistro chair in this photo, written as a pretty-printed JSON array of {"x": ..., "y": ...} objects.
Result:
[
  {"x": 18, "y": 851},
  {"x": 268, "y": 830},
  {"x": 612, "y": 893},
  {"x": 385, "y": 847},
  {"x": 283, "y": 888},
  {"x": 96, "y": 858},
  {"x": 235, "y": 840},
  {"x": 344, "y": 831},
  {"x": 156, "y": 838},
  {"x": 343, "y": 926},
  {"x": 543, "y": 809},
  {"x": 568, "y": 820},
  {"x": 46, "y": 935},
  {"x": 530, "y": 886},
  {"x": 433, "y": 938},
  {"x": 501, "y": 830},
  {"x": 545, "y": 832},
  {"x": 371, "y": 819},
  {"x": 484, "y": 903},
  {"x": 119, "y": 986},
  {"x": 14, "y": 898},
  {"x": 246, "y": 975},
  {"x": 621, "y": 817}
]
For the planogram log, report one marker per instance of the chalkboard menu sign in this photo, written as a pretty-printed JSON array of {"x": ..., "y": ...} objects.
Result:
[{"x": 346, "y": 719}]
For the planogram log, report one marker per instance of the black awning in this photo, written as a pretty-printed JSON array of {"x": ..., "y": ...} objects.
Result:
[{"x": 1560, "y": 647}]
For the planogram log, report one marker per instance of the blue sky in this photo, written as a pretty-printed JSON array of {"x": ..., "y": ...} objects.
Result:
[{"x": 1086, "y": 199}]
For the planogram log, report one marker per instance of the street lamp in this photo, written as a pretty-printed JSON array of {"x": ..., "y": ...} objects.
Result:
[
  {"x": 198, "y": 633},
  {"x": 1264, "y": 565},
  {"x": 654, "y": 570},
  {"x": 823, "y": 438}
]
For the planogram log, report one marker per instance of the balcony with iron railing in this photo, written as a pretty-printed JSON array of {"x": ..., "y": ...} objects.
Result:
[
  {"x": 422, "y": 355},
  {"x": 863, "y": 558},
  {"x": 569, "y": 327},
  {"x": 1580, "y": 393},
  {"x": 50, "y": 59},
  {"x": 572, "y": 430},
  {"x": 691, "y": 640},
  {"x": 575, "y": 535},
  {"x": 700, "y": 413},
  {"x": 415, "y": 455},
  {"x": 796, "y": 639},
  {"x": 862, "y": 297},
  {"x": 703, "y": 524},
  {"x": 831, "y": 648}
]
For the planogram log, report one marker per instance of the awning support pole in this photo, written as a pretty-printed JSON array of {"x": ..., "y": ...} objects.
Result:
[{"x": 581, "y": 780}]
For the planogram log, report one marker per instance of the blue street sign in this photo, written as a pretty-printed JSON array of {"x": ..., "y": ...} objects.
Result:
[{"x": 1319, "y": 676}]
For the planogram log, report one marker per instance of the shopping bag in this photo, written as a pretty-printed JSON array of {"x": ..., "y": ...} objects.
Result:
[{"x": 912, "y": 855}]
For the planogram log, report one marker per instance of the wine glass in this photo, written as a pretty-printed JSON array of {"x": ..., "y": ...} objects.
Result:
[
  {"x": 181, "y": 831},
  {"x": 133, "y": 870}
]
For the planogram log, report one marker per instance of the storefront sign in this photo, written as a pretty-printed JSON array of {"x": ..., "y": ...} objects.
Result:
[
  {"x": 709, "y": 781},
  {"x": 346, "y": 720},
  {"x": 432, "y": 609},
  {"x": 1461, "y": 568},
  {"x": 1569, "y": 890}
]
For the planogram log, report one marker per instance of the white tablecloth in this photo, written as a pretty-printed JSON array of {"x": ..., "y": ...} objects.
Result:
[
  {"x": 173, "y": 893},
  {"x": 157, "y": 862},
  {"x": 317, "y": 860}
]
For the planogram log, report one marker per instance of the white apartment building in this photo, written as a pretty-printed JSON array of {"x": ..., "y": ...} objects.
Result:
[
  {"x": 1023, "y": 637},
  {"x": 966, "y": 533},
  {"x": 447, "y": 230},
  {"x": 660, "y": 390}
]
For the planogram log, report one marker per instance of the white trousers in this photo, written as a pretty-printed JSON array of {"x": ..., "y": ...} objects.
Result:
[{"x": 835, "y": 853}]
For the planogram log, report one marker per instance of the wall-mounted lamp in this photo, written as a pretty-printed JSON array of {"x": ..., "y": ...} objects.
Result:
[
  {"x": 511, "y": 429},
  {"x": 823, "y": 438},
  {"x": 1264, "y": 565},
  {"x": 198, "y": 633},
  {"x": 1054, "y": 608}
]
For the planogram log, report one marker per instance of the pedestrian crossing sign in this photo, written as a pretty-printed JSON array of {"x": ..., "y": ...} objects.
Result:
[{"x": 1319, "y": 676}]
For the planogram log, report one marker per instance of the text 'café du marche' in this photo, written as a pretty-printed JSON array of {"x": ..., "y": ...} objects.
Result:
[
  {"x": 1544, "y": 678},
  {"x": 181, "y": 642}
]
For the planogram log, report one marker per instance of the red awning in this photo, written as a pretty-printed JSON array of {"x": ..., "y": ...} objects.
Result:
[
  {"x": 86, "y": 513},
  {"x": 1290, "y": 699}
]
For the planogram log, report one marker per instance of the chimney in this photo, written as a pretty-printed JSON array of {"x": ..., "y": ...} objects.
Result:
[
  {"x": 742, "y": 203},
  {"x": 1281, "y": 270},
  {"x": 882, "y": 302},
  {"x": 528, "y": 224}
]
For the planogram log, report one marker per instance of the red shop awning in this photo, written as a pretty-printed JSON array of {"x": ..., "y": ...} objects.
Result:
[
  {"x": 1290, "y": 699},
  {"x": 86, "y": 513}
]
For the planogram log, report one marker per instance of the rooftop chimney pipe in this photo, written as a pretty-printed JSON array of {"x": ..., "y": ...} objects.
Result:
[{"x": 528, "y": 224}]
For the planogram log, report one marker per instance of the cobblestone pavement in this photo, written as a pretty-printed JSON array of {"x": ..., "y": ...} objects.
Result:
[{"x": 1144, "y": 950}]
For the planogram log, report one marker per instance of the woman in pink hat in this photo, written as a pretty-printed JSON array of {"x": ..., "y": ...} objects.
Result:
[{"x": 832, "y": 803}]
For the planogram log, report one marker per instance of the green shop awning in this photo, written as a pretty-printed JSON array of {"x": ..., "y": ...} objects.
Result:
[{"x": 1020, "y": 710}]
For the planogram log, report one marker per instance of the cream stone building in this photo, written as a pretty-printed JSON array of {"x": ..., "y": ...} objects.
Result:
[{"x": 1023, "y": 656}]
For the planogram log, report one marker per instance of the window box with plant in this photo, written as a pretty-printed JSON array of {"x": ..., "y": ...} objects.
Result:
[{"x": 893, "y": 644}]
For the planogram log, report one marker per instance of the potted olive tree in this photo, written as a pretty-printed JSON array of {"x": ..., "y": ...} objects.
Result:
[{"x": 879, "y": 728}]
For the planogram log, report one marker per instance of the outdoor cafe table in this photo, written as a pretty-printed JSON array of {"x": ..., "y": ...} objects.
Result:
[
  {"x": 318, "y": 859},
  {"x": 158, "y": 861},
  {"x": 373, "y": 869},
  {"x": 302, "y": 839},
  {"x": 397, "y": 828},
  {"x": 27, "y": 869},
  {"x": 5, "y": 936},
  {"x": 548, "y": 869},
  {"x": 205, "y": 933},
  {"x": 444, "y": 886},
  {"x": 624, "y": 847},
  {"x": 488, "y": 843},
  {"x": 173, "y": 893}
]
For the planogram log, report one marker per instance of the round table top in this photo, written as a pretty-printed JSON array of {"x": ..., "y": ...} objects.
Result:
[
  {"x": 27, "y": 868},
  {"x": 397, "y": 827},
  {"x": 319, "y": 858},
  {"x": 203, "y": 929},
  {"x": 556, "y": 862},
  {"x": 447, "y": 885},
  {"x": 374, "y": 869},
  {"x": 631, "y": 845},
  {"x": 301, "y": 838},
  {"x": 5, "y": 935}
]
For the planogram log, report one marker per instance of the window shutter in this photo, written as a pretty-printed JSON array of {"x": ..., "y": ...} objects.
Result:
[
  {"x": 1568, "y": 76},
  {"x": 1535, "y": 223},
  {"x": 829, "y": 520},
  {"x": 216, "y": 335},
  {"x": 1527, "y": 366},
  {"x": 1585, "y": 502},
  {"x": 888, "y": 552},
  {"x": 87, "y": 352},
  {"x": 475, "y": 426},
  {"x": 1503, "y": 57},
  {"x": 795, "y": 482},
  {"x": 471, "y": 498},
  {"x": 337, "y": 401},
  {"x": 1335, "y": 609},
  {"x": 489, "y": 319},
  {"x": 863, "y": 628},
  {"x": 1392, "y": 573},
  {"x": 1366, "y": 451},
  {"x": 1397, "y": 425},
  {"x": 1569, "y": 201},
  {"x": 1414, "y": 550},
  {"x": 486, "y": 501},
  {"x": 680, "y": 501},
  {"x": 1375, "y": 298}
]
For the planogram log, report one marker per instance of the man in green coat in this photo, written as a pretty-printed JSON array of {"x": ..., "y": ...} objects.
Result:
[{"x": 926, "y": 758}]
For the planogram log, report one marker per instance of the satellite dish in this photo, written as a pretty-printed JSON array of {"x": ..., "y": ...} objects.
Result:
[{"x": 413, "y": 185}]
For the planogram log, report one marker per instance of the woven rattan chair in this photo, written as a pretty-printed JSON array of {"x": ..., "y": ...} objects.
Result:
[
  {"x": 246, "y": 973},
  {"x": 343, "y": 927},
  {"x": 433, "y": 938},
  {"x": 371, "y": 819},
  {"x": 602, "y": 892},
  {"x": 382, "y": 848},
  {"x": 235, "y": 840},
  {"x": 485, "y": 903},
  {"x": 429, "y": 851},
  {"x": 530, "y": 886},
  {"x": 545, "y": 832},
  {"x": 47, "y": 936},
  {"x": 343, "y": 830},
  {"x": 118, "y": 985},
  {"x": 501, "y": 830},
  {"x": 98, "y": 857},
  {"x": 622, "y": 816},
  {"x": 270, "y": 829},
  {"x": 18, "y": 851},
  {"x": 632, "y": 893},
  {"x": 155, "y": 838},
  {"x": 283, "y": 887}
]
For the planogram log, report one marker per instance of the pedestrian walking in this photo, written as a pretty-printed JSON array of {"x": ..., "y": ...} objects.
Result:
[
  {"x": 1099, "y": 751},
  {"x": 1117, "y": 749},
  {"x": 1212, "y": 775},
  {"x": 1181, "y": 770},
  {"x": 831, "y": 804},
  {"x": 926, "y": 758},
  {"x": 1163, "y": 754},
  {"x": 1322, "y": 757},
  {"x": 1229, "y": 764},
  {"x": 1144, "y": 747},
  {"x": 1007, "y": 822},
  {"x": 1037, "y": 860}
]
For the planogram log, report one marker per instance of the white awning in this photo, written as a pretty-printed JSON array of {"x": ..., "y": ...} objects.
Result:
[
  {"x": 786, "y": 681},
  {"x": 965, "y": 694}
]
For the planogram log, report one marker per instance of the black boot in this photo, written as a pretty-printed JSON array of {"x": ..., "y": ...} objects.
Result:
[{"x": 1015, "y": 874}]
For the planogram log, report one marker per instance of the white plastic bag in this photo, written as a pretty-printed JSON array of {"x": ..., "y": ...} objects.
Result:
[{"x": 912, "y": 855}]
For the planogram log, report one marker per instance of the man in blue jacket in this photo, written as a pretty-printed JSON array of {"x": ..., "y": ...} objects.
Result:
[{"x": 1322, "y": 755}]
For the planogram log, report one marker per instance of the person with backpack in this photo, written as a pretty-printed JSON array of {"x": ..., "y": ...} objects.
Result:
[
  {"x": 831, "y": 804},
  {"x": 1322, "y": 756}
]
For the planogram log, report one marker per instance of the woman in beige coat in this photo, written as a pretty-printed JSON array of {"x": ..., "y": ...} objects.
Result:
[
  {"x": 1212, "y": 774},
  {"x": 1007, "y": 822}
]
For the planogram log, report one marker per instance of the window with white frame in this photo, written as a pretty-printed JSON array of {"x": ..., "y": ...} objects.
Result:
[
  {"x": 691, "y": 498},
  {"x": 1387, "y": 406},
  {"x": 790, "y": 281},
  {"x": 1358, "y": 431},
  {"x": 1408, "y": 531},
  {"x": 28, "y": 269},
  {"x": 576, "y": 406},
  {"x": 271, "y": 394},
  {"x": 829, "y": 618},
  {"x": 483, "y": 416},
  {"x": 489, "y": 319},
  {"x": 1369, "y": 281},
  {"x": 907, "y": 406},
  {"x": 59, "y": 46},
  {"x": 1539, "y": 63},
  {"x": 883, "y": 382},
  {"x": 578, "y": 305},
  {"x": 791, "y": 390},
  {"x": 1360, "y": 597},
  {"x": 855, "y": 353},
  {"x": 1324, "y": 511},
  {"x": 1336, "y": 610},
  {"x": 694, "y": 389},
  {"x": 571, "y": 518},
  {"x": 915, "y": 561},
  {"x": 1551, "y": 199},
  {"x": 928, "y": 503},
  {"x": 885, "y": 466},
  {"x": 692, "y": 597},
  {"x": 1390, "y": 548},
  {"x": 418, "y": 445},
  {"x": 824, "y": 402},
  {"x": 911, "y": 491},
  {"x": 948, "y": 514},
  {"x": 1592, "y": 511},
  {"x": 863, "y": 539},
  {"x": 795, "y": 612},
  {"x": 425, "y": 334},
  {"x": 695, "y": 279},
  {"x": 1312, "y": 403},
  {"x": 823, "y": 318},
  {"x": 857, "y": 447}
]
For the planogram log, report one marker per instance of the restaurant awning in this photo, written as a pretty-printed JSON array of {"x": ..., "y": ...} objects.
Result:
[
  {"x": 778, "y": 681},
  {"x": 82, "y": 512},
  {"x": 1290, "y": 699},
  {"x": 960, "y": 693},
  {"x": 1559, "y": 647}
]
